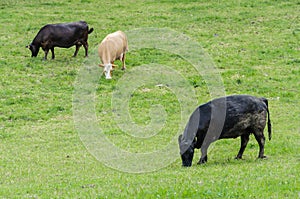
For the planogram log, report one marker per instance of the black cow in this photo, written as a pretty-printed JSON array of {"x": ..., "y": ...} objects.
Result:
[
  {"x": 226, "y": 117},
  {"x": 62, "y": 35}
]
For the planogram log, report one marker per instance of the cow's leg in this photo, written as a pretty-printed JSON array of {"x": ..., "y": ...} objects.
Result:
[
  {"x": 76, "y": 51},
  {"x": 86, "y": 47},
  {"x": 203, "y": 158},
  {"x": 123, "y": 62},
  {"x": 260, "y": 138},
  {"x": 52, "y": 51},
  {"x": 46, "y": 53},
  {"x": 244, "y": 142}
]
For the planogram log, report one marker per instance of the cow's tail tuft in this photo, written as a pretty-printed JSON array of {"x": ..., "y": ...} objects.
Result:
[
  {"x": 269, "y": 121},
  {"x": 90, "y": 30}
]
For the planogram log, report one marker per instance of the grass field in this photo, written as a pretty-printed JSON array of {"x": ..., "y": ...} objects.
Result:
[{"x": 254, "y": 45}]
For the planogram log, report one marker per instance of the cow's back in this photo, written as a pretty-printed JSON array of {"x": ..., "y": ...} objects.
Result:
[
  {"x": 62, "y": 34},
  {"x": 244, "y": 114},
  {"x": 112, "y": 46}
]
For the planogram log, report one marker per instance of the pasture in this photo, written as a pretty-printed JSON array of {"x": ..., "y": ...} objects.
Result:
[{"x": 254, "y": 47}]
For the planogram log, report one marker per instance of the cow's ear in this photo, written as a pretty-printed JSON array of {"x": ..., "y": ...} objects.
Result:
[
  {"x": 101, "y": 65},
  {"x": 29, "y": 47}
]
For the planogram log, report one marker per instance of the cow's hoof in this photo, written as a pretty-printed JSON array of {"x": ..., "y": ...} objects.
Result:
[
  {"x": 202, "y": 161},
  {"x": 238, "y": 158},
  {"x": 263, "y": 157}
]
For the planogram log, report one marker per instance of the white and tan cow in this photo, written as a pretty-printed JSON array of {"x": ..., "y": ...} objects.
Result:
[{"x": 113, "y": 47}]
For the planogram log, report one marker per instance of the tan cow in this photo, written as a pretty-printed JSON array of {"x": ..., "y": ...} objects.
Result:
[{"x": 113, "y": 47}]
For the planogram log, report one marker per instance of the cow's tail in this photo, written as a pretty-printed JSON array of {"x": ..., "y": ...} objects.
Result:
[
  {"x": 269, "y": 121},
  {"x": 90, "y": 30}
]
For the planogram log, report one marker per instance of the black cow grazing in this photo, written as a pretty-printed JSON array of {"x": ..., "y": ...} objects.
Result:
[
  {"x": 62, "y": 35},
  {"x": 226, "y": 117}
]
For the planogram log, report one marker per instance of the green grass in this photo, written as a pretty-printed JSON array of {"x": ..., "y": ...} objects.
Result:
[{"x": 255, "y": 47}]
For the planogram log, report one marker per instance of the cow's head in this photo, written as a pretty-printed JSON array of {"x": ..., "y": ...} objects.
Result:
[
  {"x": 107, "y": 69},
  {"x": 188, "y": 153},
  {"x": 34, "y": 50}
]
